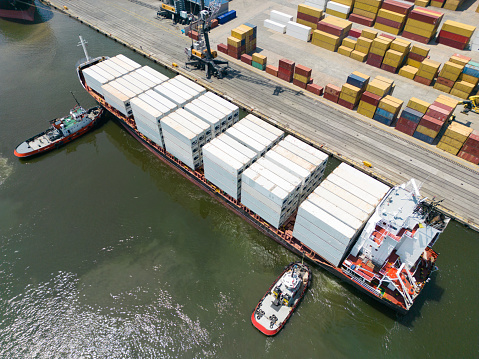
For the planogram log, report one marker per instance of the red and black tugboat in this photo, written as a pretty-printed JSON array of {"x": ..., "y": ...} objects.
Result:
[{"x": 282, "y": 298}]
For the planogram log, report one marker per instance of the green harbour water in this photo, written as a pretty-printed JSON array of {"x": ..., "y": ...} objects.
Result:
[{"x": 106, "y": 252}]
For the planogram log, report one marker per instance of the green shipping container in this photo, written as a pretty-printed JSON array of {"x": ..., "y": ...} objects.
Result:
[{"x": 258, "y": 65}]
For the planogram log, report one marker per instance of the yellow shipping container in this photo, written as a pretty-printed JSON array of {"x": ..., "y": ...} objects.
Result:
[
  {"x": 391, "y": 15},
  {"x": 365, "y": 13},
  {"x": 343, "y": 24},
  {"x": 420, "y": 50},
  {"x": 362, "y": 49},
  {"x": 426, "y": 131},
  {"x": 442, "y": 87},
  {"x": 464, "y": 86},
  {"x": 325, "y": 45},
  {"x": 420, "y": 25},
  {"x": 458, "y": 28},
  {"x": 358, "y": 55},
  {"x": 452, "y": 142},
  {"x": 345, "y": 2},
  {"x": 400, "y": 45},
  {"x": 350, "y": 90},
  {"x": 233, "y": 41},
  {"x": 261, "y": 59},
  {"x": 351, "y": 43},
  {"x": 381, "y": 42},
  {"x": 390, "y": 104},
  {"x": 445, "y": 147},
  {"x": 367, "y": 106},
  {"x": 391, "y": 62},
  {"x": 422, "y": 3},
  {"x": 301, "y": 78},
  {"x": 344, "y": 50},
  {"x": 394, "y": 55},
  {"x": 458, "y": 60},
  {"x": 336, "y": 13},
  {"x": 239, "y": 33},
  {"x": 458, "y": 131},
  {"x": 429, "y": 66},
  {"x": 378, "y": 87},
  {"x": 408, "y": 72},
  {"x": 363, "y": 76},
  {"x": 419, "y": 31},
  {"x": 376, "y": 3},
  {"x": 374, "y": 50},
  {"x": 364, "y": 112},
  {"x": 348, "y": 98},
  {"x": 418, "y": 105},
  {"x": 364, "y": 42},
  {"x": 312, "y": 25},
  {"x": 368, "y": 34},
  {"x": 446, "y": 100},
  {"x": 468, "y": 78},
  {"x": 249, "y": 30},
  {"x": 325, "y": 37},
  {"x": 390, "y": 29},
  {"x": 310, "y": 10},
  {"x": 413, "y": 63},
  {"x": 453, "y": 68}
]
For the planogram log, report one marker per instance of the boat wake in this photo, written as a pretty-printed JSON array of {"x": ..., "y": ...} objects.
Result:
[{"x": 5, "y": 170}]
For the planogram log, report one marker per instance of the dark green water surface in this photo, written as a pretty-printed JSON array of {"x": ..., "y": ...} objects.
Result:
[{"x": 105, "y": 252}]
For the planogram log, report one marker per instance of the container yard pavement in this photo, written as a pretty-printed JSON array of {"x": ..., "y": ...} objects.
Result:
[{"x": 347, "y": 135}]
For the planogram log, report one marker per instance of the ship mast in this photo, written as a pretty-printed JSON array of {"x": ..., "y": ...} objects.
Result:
[{"x": 83, "y": 43}]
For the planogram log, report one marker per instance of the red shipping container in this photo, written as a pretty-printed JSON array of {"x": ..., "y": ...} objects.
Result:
[
  {"x": 330, "y": 97},
  {"x": 346, "y": 104},
  {"x": 431, "y": 123},
  {"x": 330, "y": 28},
  {"x": 214, "y": 23},
  {"x": 389, "y": 68},
  {"x": 332, "y": 90},
  {"x": 303, "y": 70},
  {"x": 374, "y": 60},
  {"x": 404, "y": 126},
  {"x": 437, "y": 112},
  {"x": 454, "y": 37},
  {"x": 415, "y": 37},
  {"x": 285, "y": 77},
  {"x": 396, "y": 6},
  {"x": 391, "y": 37},
  {"x": 306, "y": 17},
  {"x": 363, "y": 20},
  {"x": 316, "y": 89},
  {"x": 447, "y": 108},
  {"x": 473, "y": 139},
  {"x": 416, "y": 57},
  {"x": 370, "y": 98},
  {"x": 388, "y": 22},
  {"x": 468, "y": 157},
  {"x": 286, "y": 64},
  {"x": 471, "y": 150},
  {"x": 445, "y": 82},
  {"x": 354, "y": 33},
  {"x": 451, "y": 43},
  {"x": 272, "y": 70},
  {"x": 422, "y": 80},
  {"x": 299, "y": 83},
  {"x": 432, "y": 17},
  {"x": 234, "y": 54},
  {"x": 285, "y": 71},
  {"x": 222, "y": 48},
  {"x": 247, "y": 59},
  {"x": 463, "y": 57}
]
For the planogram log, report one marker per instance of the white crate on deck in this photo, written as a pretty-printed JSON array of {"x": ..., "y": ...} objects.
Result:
[{"x": 298, "y": 31}]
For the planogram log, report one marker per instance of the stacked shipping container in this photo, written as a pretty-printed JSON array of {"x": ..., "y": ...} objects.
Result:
[
  {"x": 331, "y": 31},
  {"x": 365, "y": 11},
  {"x": 454, "y": 138},
  {"x": 455, "y": 34},
  {"x": 470, "y": 150},
  {"x": 422, "y": 25},
  {"x": 392, "y": 16},
  {"x": 330, "y": 219},
  {"x": 309, "y": 16}
]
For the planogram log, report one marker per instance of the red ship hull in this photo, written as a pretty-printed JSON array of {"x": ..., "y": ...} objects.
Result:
[{"x": 23, "y": 14}]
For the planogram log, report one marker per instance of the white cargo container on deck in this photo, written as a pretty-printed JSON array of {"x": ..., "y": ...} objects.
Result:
[
  {"x": 232, "y": 107},
  {"x": 192, "y": 91},
  {"x": 215, "y": 123},
  {"x": 95, "y": 79},
  {"x": 250, "y": 154},
  {"x": 198, "y": 122},
  {"x": 152, "y": 74},
  {"x": 222, "y": 117},
  {"x": 227, "y": 119},
  {"x": 173, "y": 94},
  {"x": 111, "y": 68},
  {"x": 132, "y": 64},
  {"x": 118, "y": 96},
  {"x": 266, "y": 126},
  {"x": 244, "y": 139}
]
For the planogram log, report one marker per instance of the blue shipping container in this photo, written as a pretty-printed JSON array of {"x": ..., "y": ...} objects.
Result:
[
  {"x": 411, "y": 115},
  {"x": 423, "y": 137},
  {"x": 385, "y": 113},
  {"x": 356, "y": 81},
  {"x": 384, "y": 120},
  {"x": 230, "y": 15}
]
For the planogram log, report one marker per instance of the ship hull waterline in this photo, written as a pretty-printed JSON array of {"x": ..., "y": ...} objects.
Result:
[{"x": 287, "y": 241}]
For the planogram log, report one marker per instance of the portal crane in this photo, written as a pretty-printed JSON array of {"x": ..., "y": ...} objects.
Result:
[
  {"x": 200, "y": 54},
  {"x": 471, "y": 105}
]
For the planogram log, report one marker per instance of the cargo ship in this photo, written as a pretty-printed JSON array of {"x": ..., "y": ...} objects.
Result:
[
  {"x": 275, "y": 181},
  {"x": 62, "y": 131},
  {"x": 18, "y": 10}
]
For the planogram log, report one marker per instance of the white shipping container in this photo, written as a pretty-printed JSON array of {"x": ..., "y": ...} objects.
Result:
[
  {"x": 144, "y": 79},
  {"x": 362, "y": 180},
  {"x": 265, "y": 186},
  {"x": 308, "y": 148},
  {"x": 265, "y": 201},
  {"x": 347, "y": 196},
  {"x": 240, "y": 157},
  {"x": 326, "y": 222},
  {"x": 274, "y": 25},
  {"x": 318, "y": 162},
  {"x": 280, "y": 17},
  {"x": 142, "y": 108},
  {"x": 298, "y": 31},
  {"x": 111, "y": 68},
  {"x": 227, "y": 113},
  {"x": 276, "y": 131},
  {"x": 258, "y": 138},
  {"x": 290, "y": 188},
  {"x": 215, "y": 123},
  {"x": 181, "y": 154},
  {"x": 308, "y": 166},
  {"x": 191, "y": 84},
  {"x": 166, "y": 91},
  {"x": 357, "y": 191},
  {"x": 188, "y": 116},
  {"x": 184, "y": 137},
  {"x": 185, "y": 88},
  {"x": 246, "y": 140},
  {"x": 128, "y": 61},
  {"x": 229, "y": 188},
  {"x": 128, "y": 80},
  {"x": 250, "y": 154},
  {"x": 222, "y": 159},
  {"x": 146, "y": 123},
  {"x": 158, "y": 101},
  {"x": 151, "y": 135},
  {"x": 272, "y": 218},
  {"x": 328, "y": 242},
  {"x": 153, "y": 75},
  {"x": 117, "y": 98},
  {"x": 279, "y": 171},
  {"x": 232, "y": 107},
  {"x": 336, "y": 211},
  {"x": 259, "y": 130},
  {"x": 213, "y": 111},
  {"x": 343, "y": 204},
  {"x": 288, "y": 165},
  {"x": 185, "y": 150},
  {"x": 217, "y": 171},
  {"x": 343, "y": 9},
  {"x": 198, "y": 131},
  {"x": 94, "y": 80}
]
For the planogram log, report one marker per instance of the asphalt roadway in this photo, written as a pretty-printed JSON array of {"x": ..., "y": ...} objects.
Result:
[{"x": 395, "y": 157}]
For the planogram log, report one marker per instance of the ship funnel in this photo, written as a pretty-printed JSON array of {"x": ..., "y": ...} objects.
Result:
[{"x": 83, "y": 43}]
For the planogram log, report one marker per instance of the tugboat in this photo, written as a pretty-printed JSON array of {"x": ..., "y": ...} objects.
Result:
[
  {"x": 61, "y": 131},
  {"x": 282, "y": 298}
]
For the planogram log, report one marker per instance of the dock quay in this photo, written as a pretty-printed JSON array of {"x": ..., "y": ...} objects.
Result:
[{"x": 344, "y": 134}]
